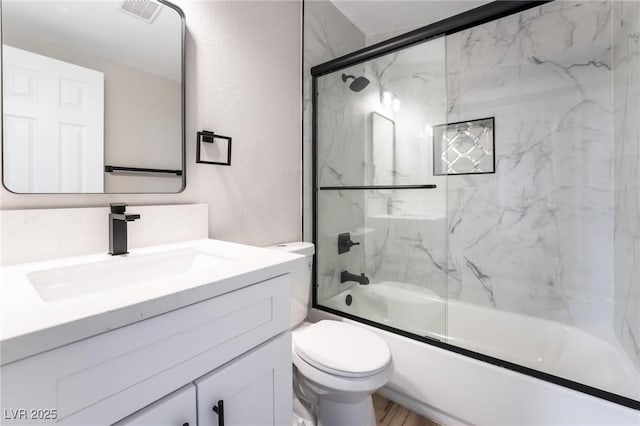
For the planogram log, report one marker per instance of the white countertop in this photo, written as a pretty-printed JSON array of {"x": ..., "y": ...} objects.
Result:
[{"x": 29, "y": 325}]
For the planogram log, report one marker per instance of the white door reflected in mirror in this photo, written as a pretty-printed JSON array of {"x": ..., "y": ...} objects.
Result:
[
  {"x": 53, "y": 124},
  {"x": 65, "y": 131}
]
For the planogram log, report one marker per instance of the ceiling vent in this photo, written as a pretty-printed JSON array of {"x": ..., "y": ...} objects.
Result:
[{"x": 147, "y": 10}]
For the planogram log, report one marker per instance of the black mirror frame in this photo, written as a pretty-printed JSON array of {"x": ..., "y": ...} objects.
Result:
[{"x": 183, "y": 57}]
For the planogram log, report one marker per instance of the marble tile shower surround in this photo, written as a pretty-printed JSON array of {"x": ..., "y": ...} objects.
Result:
[
  {"x": 341, "y": 114},
  {"x": 540, "y": 236},
  {"x": 408, "y": 241},
  {"x": 417, "y": 76},
  {"x": 405, "y": 246},
  {"x": 626, "y": 86},
  {"x": 546, "y": 286},
  {"x": 344, "y": 212},
  {"x": 536, "y": 237},
  {"x": 344, "y": 158},
  {"x": 328, "y": 34},
  {"x": 344, "y": 118}
]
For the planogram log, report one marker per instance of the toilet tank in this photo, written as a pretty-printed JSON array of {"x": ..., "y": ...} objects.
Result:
[{"x": 300, "y": 280}]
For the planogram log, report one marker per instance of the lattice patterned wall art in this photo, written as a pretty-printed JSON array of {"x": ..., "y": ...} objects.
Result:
[{"x": 466, "y": 147}]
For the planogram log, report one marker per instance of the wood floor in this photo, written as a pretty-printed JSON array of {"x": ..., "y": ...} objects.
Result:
[{"x": 391, "y": 414}]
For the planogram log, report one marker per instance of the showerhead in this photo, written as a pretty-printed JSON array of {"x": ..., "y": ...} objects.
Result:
[{"x": 358, "y": 83}]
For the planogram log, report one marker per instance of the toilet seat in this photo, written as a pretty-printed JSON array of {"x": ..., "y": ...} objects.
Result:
[
  {"x": 342, "y": 349},
  {"x": 332, "y": 383}
]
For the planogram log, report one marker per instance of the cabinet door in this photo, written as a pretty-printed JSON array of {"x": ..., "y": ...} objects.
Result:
[
  {"x": 253, "y": 390},
  {"x": 176, "y": 409}
]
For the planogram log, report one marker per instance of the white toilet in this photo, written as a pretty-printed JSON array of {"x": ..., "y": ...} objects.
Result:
[{"x": 337, "y": 366}]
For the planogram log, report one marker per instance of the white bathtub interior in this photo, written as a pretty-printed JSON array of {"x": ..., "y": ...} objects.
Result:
[{"x": 548, "y": 346}]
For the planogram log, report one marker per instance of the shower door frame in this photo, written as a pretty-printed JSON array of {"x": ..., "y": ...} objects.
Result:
[{"x": 471, "y": 18}]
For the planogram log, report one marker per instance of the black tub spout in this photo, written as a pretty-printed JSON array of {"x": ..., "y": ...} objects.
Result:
[{"x": 361, "y": 279}]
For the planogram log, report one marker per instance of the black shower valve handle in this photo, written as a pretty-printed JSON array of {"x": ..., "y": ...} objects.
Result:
[{"x": 345, "y": 243}]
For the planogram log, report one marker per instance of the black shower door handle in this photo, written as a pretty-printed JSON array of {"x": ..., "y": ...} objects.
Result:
[{"x": 219, "y": 410}]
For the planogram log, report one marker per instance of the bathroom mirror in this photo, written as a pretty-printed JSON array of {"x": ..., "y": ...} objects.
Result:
[{"x": 93, "y": 96}]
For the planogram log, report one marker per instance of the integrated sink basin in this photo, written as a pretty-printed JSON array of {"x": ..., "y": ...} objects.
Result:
[
  {"x": 77, "y": 280},
  {"x": 50, "y": 303}
]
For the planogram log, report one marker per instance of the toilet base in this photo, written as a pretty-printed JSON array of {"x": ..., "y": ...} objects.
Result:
[
  {"x": 337, "y": 400},
  {"x": 334, "y": 413},
  {"x": 302, "y": 415}
]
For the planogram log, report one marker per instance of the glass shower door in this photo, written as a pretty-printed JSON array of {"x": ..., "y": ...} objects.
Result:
[
  {"x": 380, "y": 205},
  {"x": 485, "y": 193}
]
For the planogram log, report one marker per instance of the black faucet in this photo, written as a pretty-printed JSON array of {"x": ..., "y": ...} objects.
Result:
[
  {"x": 360, "y": 279},
  {"x": 118, "y": 228}
]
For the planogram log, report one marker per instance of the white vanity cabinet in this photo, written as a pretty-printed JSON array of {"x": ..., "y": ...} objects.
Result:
[
  {"x": 252, "y": 390},
  {"x": 235, "y": 347},
  {"x": 177, "y": 409}
]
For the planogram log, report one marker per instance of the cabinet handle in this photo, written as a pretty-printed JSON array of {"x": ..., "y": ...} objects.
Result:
[
  {"x": 185, "y": 424},
  {"x": 219, "y": 410}
]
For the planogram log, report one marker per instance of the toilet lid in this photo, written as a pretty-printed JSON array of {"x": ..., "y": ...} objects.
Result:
[{"x": 342, "y": 349}]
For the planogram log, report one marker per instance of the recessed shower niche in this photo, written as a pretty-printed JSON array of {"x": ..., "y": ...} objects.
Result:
[{"x": 464, "y": 148}]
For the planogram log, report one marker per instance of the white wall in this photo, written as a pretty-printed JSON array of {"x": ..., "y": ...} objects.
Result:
[
  {"x": 42, "y": 234},
  {"x": 243, "y": 80}
]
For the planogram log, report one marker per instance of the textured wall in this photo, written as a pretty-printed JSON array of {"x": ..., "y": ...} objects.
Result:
[
  {"x": 626, "y": 86},
  {"x": 243, "y": 80}
]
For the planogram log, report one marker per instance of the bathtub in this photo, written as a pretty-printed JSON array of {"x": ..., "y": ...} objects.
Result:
[
  {"x": 412, "y": 308},
  {"x": 455, "y": 389}
]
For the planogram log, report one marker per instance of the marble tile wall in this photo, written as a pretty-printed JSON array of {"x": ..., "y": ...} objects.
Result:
[
  {"x": 536, "y": 237},
  {"x": 407, "y": 242},
  {"x": 329, "y": 34},
  {"x": 402, "y": 233},
  {"x": 626, "y": 86},
  {"x": 341, "y": 115},
  {"x": 342, "y": 211},
  {"x": 341, "y": 119}
]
